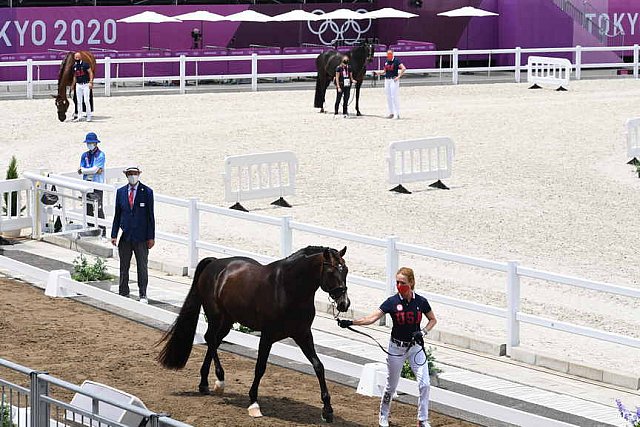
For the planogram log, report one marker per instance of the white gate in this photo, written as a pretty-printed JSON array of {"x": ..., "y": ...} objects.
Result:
[
  {"x": 15, "y": 213},
  {"x": 542, "y": 70},
  {"x": 419, "y": 160},
  {"x": 633, "y": 140},
  {"x": 257, "y": 176}
]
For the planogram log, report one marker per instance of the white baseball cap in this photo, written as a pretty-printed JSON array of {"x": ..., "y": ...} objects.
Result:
[{"x": 131, "y": 169}]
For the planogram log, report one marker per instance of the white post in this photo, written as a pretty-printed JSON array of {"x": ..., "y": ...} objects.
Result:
[
  {"x": 454, "y": 66},
  {"x": 254, "y": 72},
  {"x": 391, "y": 269},
  {"x": 107, "y": 76},
  {"x": 194, "y": 233},
  {"x": 513, "y": 306},
  {"x": 518, "y": 62},
  {"x": 29, "y": 78},
  {"x": 183, "y": 74},
  {"x": 578, "y": 61},
  {"x": 286, "y": 237},
  {"x": 635, "y": 61}
]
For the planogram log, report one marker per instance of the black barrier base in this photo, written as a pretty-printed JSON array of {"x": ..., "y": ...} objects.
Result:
[
  {"x": 439, "y": 184},
  {"x": 239, "y": 207},
  {"x": 561, "y": 89},
  {"x": 633, "y": 161},
  {"x": 400, "y": 189},
  {"x": 535, "y": 86},
  {"x": 281, "y": 202},
  {"x": 4, "y": 241}
]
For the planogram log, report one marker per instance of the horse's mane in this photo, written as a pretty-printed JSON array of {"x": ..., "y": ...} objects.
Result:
[
  {"x": 304, "y": 252},
  {"x": 62, "y": 74}
]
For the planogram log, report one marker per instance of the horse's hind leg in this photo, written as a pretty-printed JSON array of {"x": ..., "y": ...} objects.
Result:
[
  {"x": 261, "y": 365},
  {"x": 324, "y": 94},
  {"x": 213, "y": 337},
  {"x": 358, "y": 84}
]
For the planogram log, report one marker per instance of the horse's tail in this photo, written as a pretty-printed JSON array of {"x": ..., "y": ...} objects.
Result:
[
  {"x": 179, "y": 339},
  {"x": 320, "y": 89}
]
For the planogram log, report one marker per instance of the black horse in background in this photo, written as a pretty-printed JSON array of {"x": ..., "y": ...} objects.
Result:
[
  {"x": 327, "y": 62},
  {"x": 276, "y": 299}
]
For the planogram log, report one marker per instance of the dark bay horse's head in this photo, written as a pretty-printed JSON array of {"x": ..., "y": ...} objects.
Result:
[
  {"x": 62, "y": 104},
  {"x": 334, "y": 277}
]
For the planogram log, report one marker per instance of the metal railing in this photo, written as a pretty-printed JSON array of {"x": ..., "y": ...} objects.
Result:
[
  {"x": 36, "y": 406},
  {"x": 393, "y": 248},
  {"x": 451, "y": 66}
]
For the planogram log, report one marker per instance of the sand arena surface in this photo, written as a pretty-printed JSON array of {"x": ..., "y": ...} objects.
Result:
[
  {"x": 539, "y": 177},
  {"x": 76, "y": 342}
]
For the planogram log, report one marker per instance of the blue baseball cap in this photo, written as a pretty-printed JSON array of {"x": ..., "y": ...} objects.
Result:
[{"x": 91, "y": 137}]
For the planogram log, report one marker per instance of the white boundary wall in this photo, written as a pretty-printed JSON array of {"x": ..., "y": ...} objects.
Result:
[
  {"x": 354, "y": 370},
  {"x": 260, "y": 175},
  {"x": 633, "y": 137},
  {"x": 420, "y": 159},
  {"x": 548, "y": 71}
]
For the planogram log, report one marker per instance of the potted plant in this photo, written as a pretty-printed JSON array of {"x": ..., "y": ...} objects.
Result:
[
  {"x": 94, "y": 274},
  {"x": 433, "y": 369},
  {"x": 10, "y": 205}
]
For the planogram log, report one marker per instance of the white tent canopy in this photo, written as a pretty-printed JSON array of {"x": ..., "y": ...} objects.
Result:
[
  {"x": 148, "y": 17},
  {"x": 200, "y": 15},
  {"x": 388, "y": 12},
  {"x": 343, "y": 14},
  {"x": 296, "y": 15},
  {"x": 249, "y": 16},
  {"x": 467, "y": 11}
]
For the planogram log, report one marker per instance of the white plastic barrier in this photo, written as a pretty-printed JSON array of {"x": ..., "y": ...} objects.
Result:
[
  {"x": 419, "y": 160},
  {"x": 105, "y": 410},
  {"x": 633, "y": 139},
  {"x": 543, "y": 70},
  {"x": 257, "y": 176},
  {"x": 15, "y": 213}
]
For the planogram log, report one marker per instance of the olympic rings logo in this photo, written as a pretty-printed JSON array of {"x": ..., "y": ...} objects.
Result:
[{"x": 329, "y": 28}]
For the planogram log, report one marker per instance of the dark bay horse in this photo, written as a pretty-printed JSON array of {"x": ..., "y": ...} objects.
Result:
[
  {"x": 65, "y": 78},
  {"x": 326, "y": 64},
  {"x": 276, "y": 299}
]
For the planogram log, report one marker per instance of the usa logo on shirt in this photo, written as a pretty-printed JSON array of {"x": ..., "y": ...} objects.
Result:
[{"x": 399, "y": 307}]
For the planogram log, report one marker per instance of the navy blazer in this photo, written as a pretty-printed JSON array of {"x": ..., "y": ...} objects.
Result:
[{"x": 137, "y": 224}]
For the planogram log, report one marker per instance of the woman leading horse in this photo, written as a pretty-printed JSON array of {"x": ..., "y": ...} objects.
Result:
[
  {"x": 276, "y": 299},
  {"x": 326, "y": 64},
  {"x": 66, "y": 78}
]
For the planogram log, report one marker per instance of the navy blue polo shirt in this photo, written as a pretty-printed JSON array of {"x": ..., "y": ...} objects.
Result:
[
  {"x": 81, "y": 71},
  {"x": 391, "y": 68},
  {"x": 406, "y": 316}
]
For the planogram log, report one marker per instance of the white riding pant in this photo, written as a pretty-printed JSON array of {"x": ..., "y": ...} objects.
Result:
[
  {"x": 419, "y": 366},
  {"x": 392, "y": 90},
  {"x": 82, "y": 95}
]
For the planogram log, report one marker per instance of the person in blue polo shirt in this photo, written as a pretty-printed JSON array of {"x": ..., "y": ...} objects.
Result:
[
  {"x": 406, "y": 309},
  {"x": 92, "y": 164},
  {"x": 392, "y": 72}
]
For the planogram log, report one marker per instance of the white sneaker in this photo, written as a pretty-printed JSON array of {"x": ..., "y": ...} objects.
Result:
[
  {"x": 144, "y": 301},
  {"x": 89, "y": 118},
  {"x": 396, "y": 117},
  {"x": 383, "y": 421}
]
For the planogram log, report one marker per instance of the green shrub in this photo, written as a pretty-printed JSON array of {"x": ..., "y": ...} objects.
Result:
[
  {"x": 241, "y": 328},
  {"x": 83, "y": 271},
  {"x": 12, "y": 206},
  {"x": 431, "y": 359},
  {"x": 5, "y": 415}
]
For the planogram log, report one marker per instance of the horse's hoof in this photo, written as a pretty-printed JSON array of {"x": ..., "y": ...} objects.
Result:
[
  {"x": 359, "y": 113},
  {"x": 254, "y": 410},
  {"x": 204, "y": 390},
  {"x": 327, "y": 417},
  {"x": 218, "y": 388}
]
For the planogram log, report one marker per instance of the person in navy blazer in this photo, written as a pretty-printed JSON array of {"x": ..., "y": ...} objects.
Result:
[{"x": 134, "y": 216}]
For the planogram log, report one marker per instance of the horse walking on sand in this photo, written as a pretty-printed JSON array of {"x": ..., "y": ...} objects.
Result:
[
  {"x": 276, "y": 299},
  {"x": 65, "y": 78},
  {"x": 326, "y": 64}
]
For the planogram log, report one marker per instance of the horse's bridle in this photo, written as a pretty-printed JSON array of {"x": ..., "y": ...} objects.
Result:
[{"x": 338, "y": 291}]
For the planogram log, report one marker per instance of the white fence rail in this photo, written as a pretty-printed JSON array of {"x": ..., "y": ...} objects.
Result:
[
  {"x": 15, "y": 211},
  {"x": 453, "y": 67},
  {"x": 513, "y": 272},
  {"x": 555, "y": 72}
]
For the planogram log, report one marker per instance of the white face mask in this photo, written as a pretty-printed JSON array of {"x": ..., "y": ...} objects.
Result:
[
  {"x": 91, "y": 146},
  {"x": 133, "y": 179}
]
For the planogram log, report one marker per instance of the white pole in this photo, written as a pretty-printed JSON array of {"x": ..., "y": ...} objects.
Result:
[
  {"x": 454, "y": 66},
  {"x": 391, "y": 269},
  {"x": 29, "y": 78},
  {"x": 513, "y": 306},
  {"x": 183, "y": 74},
  {"x": 286, "y": 237},
  {"x": 254, "y": 72},
  {"x": 518, "y": 62},
  {"x": 578, "y": 61},
  {"x": 194, "y": 233},
  {"x": 635, "y": 61},
  {"x": 107, "y": 76}
]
